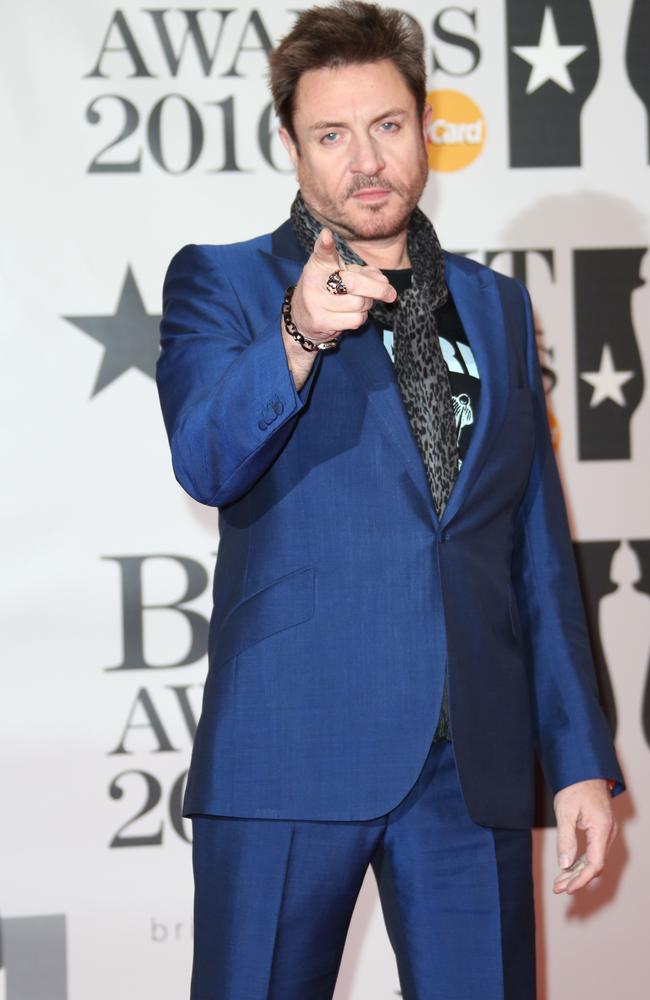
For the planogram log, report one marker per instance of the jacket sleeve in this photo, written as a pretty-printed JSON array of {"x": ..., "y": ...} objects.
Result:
[
  {"x": 227, "y": 394},
  {"x": 573, "y": 738}
]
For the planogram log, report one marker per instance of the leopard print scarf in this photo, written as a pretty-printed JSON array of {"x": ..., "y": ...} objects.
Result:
[{"x": 419, "y": 365}]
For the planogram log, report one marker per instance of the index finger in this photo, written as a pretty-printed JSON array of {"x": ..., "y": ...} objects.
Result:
[{"x": 325, "y": 251}]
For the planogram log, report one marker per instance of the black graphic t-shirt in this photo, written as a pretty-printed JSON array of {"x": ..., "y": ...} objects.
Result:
[{"x": 464, "y": 377}]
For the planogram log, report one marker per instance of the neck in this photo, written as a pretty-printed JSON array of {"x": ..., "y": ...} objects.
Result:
[{"x": 390, "y": 253}]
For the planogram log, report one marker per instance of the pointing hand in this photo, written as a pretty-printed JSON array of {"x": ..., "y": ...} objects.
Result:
[{"x": 320, "y": 315}]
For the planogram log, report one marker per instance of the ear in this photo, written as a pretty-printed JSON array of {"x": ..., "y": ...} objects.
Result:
[{"x": 289, "y": 145}]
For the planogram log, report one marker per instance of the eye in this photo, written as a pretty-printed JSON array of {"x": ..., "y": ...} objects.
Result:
[
  {"x": 389, "y": 127},
  {"x": 329, "y": 137}
]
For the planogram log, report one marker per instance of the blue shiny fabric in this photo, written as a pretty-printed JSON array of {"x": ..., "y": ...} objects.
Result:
[
  {"x": 340, "y": 598},
  {"x": 274, "y": 899}
]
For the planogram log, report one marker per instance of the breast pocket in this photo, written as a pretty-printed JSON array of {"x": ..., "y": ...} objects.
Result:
[{"x": 284, "y": 602}]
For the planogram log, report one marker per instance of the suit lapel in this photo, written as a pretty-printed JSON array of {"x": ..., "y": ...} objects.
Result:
[
  {"x": 477, "y": 300},
  {"x": 366, "y": 362}
]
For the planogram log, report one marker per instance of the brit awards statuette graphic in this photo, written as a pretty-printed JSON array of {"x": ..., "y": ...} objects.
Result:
[
  {"x": 638, "y": 47},
  {"x": 553, "y": 62},
  {"x": 609, "y": 373}
]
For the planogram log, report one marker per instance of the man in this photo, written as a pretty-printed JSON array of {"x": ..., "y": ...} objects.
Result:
[{"x": 397, "y": 623}]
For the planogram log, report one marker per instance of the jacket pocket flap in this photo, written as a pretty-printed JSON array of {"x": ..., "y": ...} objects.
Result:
[{"x": 282, "y": 603}]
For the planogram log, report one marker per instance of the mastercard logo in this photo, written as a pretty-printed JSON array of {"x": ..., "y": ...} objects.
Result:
[{"x": 457, "y": 131}]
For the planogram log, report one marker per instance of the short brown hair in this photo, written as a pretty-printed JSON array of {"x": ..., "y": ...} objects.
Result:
[{"x": 346, "y": 33}]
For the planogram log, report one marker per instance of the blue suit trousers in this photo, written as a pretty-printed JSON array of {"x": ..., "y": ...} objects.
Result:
[{"x": 274, "y": 899}]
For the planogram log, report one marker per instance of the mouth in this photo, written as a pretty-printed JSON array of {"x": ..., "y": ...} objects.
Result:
[{"x": 372, "y": 194}]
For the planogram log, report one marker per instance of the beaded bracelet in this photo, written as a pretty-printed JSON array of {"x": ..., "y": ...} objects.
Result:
[{"x": 293, "y": 331}]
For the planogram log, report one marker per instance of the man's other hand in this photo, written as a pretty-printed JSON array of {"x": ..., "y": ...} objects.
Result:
[{"x": 585, "y": 805}]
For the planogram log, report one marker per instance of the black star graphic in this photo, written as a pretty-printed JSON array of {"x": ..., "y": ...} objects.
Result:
[{"x": 129, "y": 338}]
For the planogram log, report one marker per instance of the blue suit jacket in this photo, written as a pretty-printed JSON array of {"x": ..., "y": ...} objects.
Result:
[{"x": 339, "y": 597}]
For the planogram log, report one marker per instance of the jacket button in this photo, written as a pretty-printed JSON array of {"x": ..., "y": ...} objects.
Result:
[
  {"x": 262, "y": 424},
  {"x": 278, "y": 405}
]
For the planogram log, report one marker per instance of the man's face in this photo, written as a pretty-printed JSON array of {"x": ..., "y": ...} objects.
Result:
[{"x": 360, "y": 154}]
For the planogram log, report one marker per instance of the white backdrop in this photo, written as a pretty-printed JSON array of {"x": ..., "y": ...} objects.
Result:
[{"x": 108, "y": 563}]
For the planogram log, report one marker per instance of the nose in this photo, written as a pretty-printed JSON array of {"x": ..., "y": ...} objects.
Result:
[{"x": 366, "y": 156}]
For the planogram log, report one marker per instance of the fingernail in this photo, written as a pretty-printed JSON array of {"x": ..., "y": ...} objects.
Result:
[{"x": 564, "y": 860}]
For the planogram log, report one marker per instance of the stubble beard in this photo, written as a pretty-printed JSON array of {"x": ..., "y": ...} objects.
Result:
[{"x": 372, "y": 222}]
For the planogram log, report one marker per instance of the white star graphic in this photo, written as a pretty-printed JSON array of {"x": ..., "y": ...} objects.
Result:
[
  {"x": 548, "y": 58},
  {"x": 607, "y": 381}
]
